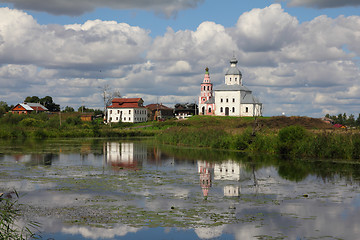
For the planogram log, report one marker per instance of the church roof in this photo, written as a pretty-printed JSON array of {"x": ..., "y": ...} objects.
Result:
[
  {"x": 247, "y": 97},
  {"x": 235, "y": 87},
  {"x": 233, "y": 70}
]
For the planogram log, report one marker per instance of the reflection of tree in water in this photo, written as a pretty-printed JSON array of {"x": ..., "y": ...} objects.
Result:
[
  {"x": 294, "y": 170},
  {"x": 42, "y": 159}
]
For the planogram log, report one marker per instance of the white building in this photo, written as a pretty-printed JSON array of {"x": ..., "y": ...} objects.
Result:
[
  {"x": 229, "y": 99},
  {"x": 127, "y": 110}
]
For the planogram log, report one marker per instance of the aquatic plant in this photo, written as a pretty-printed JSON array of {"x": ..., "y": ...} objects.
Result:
[{"x": 9, "y": 214}]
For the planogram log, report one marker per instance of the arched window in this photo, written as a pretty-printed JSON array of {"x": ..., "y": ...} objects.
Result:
[
  {"x": 210, "y": 110},
  {"x": 233, "y": 109},
  {"x": 208, "y": 88},
  {"x": 221, "y": 109},
  {"x": 204, "y": 88}
]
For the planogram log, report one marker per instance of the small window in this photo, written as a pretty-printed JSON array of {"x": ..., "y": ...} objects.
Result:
[
  {"x": 246, "y": 109},
  {"x": 209, "y": 110},
  {"x": 233, "y": 99},
  {"x": 235, "y": 79},
  {"x": 208, "y": 88},
  {"x": 221, "y": 100},
  {"x": 230, "y": 79},
  {"x": 110, "y": 111},
  {"x": 233, "y": 109},
  {"x": 221, "y": 109},
  {"x": 227, "y": 100},
  {"x": 129, "y": 118},
  {"x": 118, "y": 111},
  {"x": 129, "y": 111}
]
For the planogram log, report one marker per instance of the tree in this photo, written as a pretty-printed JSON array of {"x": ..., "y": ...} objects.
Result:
[
  {"x": 351, "y": 120},
  {"x": 108, "y": 96},
  {"x": 49, "y": 104},
  {"x": 4, "y": 108},
  {"x": 46, "y": 101},
  {"x": 340, "y": 119},
  {"x": 69, "y": 109},
  {"x": 358, "y": 121},
  {"x": 33, "y": 99}
]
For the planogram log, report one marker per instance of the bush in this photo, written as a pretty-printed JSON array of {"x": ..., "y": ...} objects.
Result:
[
  {"x": 74, "y": 121},
  {"x": 289, "y": 139},
  {"x": 30, "y": 122}
]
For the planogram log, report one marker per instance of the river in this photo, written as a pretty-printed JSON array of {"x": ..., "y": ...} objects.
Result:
[{"x": 135, "y": 189}]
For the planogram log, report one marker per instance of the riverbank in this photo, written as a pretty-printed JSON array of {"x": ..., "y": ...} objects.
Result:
[
  {"x": 288, "y": 136},
  {"x": 298, "y": 137}
]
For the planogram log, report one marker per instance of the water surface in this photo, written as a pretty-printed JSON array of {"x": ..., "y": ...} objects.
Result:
[{"x": 133, "y": 189}]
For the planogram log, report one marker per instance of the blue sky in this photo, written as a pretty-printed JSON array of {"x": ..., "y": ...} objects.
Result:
[{"x": 300, "y": 57}]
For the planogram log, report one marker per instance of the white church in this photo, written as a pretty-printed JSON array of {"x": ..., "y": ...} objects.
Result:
[{"x": 229, "y": 99}]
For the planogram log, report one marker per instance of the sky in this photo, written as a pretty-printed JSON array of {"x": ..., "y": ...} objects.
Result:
[{"x": 299, "y": 57}]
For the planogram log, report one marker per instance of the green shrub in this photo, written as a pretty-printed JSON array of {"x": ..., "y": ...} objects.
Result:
[
  {"x": 356, "y": 147},
  {"x": 74, "y": 121},
  {"x": 40, "y": 134},
  {"x": 30, "y": 122},
  {"x": 289, "y": 139}
]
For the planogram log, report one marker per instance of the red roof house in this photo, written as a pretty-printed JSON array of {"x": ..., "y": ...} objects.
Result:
[
  {"x": 127, "y": 110},
  {"x": 25, "y": 108}
]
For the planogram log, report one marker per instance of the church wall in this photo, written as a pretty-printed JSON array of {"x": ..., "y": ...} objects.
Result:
[
  {"x": 227, "y": 99},
  {"x": 233, "y": 79}
]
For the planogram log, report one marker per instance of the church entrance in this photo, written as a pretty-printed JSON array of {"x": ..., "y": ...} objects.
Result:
[{"x": 226, "y": 111}]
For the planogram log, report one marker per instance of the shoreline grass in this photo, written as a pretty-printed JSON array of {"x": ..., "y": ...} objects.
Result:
[{"x": 287, "y": 136}]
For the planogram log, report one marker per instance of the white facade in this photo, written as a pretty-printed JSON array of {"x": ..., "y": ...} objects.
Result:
[
  {"x": 132, "y": 115},
  {"x": 129, "y": 110},
  {"x": 231, "y": 98}
]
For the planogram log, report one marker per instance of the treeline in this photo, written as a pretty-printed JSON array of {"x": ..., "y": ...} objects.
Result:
[
  {"x": 50, "y": 105},
  {"x": 343, "y": 119},
  {"x": 61, "y": 125}
]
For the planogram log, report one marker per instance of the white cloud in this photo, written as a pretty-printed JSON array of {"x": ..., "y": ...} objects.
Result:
[
  {"x": 267, "y": 29},
  {"x": 323, "y": 3},
  {"x": 301, "y": 68},
  {"x": 79, "y": 7}
]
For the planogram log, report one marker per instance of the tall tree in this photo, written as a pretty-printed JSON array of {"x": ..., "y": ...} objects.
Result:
[
  {"x": 4, "y": 108},
  {"x": 358, "y": 121},
  {"x": 351, "y": 120},
  {"x": 69, "y": 109},
  {"x": 49, "y": 104},
  {"x": 33, "y": 99}
]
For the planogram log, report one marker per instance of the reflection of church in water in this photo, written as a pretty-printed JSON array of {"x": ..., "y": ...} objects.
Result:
[
  {"x": 125, "y": 155},
  {"x": 225, "y": 171}
]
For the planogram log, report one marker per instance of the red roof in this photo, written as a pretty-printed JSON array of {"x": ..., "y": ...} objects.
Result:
[
  {"x": 155, "y": 106},
  {"x": 126, "y": 103}
]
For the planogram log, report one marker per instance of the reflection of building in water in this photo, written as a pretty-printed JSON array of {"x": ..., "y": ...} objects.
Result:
[
  {"x": 228, "y": 170},
  {"x": 125, "y": 155},
  {"x": 231, "y": 191},
  {"x": 36, "y": 159},
  {"x": 205, "y": 169},
  {"x": 231, "y": 171}
]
